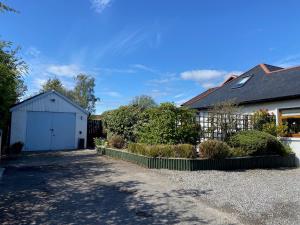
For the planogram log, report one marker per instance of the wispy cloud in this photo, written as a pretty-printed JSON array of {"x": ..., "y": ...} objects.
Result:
[
  {"x": 291, "y": 60},
  {"x": 112, "y": 94},
  {"x": 100, "y": 5},
  {"x": 207, "y": 78},
  {"x": 69, "y": 70}
]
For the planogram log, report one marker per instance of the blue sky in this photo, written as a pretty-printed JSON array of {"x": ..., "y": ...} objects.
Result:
[{"x": 170, "y": 50}]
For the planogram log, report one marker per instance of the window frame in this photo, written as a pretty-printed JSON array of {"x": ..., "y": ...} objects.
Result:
[{"x": 281, "y": 118}]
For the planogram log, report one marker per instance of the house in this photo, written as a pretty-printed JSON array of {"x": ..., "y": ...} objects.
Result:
[
  {"x": 48, "y": 121},
  {"x": 262, "y": 87}
]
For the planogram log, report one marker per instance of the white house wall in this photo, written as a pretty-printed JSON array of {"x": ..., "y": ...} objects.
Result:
[{"x": 42, "y": 104}]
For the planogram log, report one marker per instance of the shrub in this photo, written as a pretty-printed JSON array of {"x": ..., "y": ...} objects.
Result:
[
  {"x": 100, "y": 142},
  {"x": 116, "y": 141},
  {"x": 273, "y": 129},
  {"x": 168, "y": 151},
  {"x": 262, "y": 117},
  {"x": 214, "y": 149},
  {"x": 186, "y": 151},
  {"x": 16, "y": 148},
  {"x": 168, "y": 124},
  {"x": 255, "y": 142},
  {"x": 122, "y": 121}
]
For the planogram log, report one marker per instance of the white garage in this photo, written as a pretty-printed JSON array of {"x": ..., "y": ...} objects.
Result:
[{"x": 48, "y": 121}]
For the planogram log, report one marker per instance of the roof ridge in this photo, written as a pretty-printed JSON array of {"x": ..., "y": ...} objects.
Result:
[{"x": 267, "y": 71}]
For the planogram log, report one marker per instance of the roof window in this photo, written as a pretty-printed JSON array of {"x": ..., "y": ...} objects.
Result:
[{"x": 241, "y": 82}]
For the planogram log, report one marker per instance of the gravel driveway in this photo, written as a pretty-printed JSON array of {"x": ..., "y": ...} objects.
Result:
[
  {"x": 79, "y": 187},
  {"x": 255, "y": 196}
]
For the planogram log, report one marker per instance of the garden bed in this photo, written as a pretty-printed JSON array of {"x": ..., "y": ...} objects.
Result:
[{"x": 249, "y": 162}]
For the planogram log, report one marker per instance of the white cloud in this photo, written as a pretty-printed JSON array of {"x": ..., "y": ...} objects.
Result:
[
  {"x": 208, "y": 78},
  {"x": 100, "y": 5},
  {"x": 202, "y": 75},
  {"x": 289, "y": 61},
  {"x": 70, "y": 70},
  {"x": 112, "y": 93},
  {"x": 33, "y": 52}
]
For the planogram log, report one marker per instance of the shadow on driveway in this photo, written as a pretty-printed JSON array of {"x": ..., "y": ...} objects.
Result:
[{"x": 66, "y": 188}]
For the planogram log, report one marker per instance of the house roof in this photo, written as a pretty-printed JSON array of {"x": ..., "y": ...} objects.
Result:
[
  {"x": 33, "y": 98},
  {"x": 267, "y": 83}
]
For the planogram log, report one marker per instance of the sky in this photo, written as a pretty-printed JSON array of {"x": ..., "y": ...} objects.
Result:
[{"x": 171, "y": 50}]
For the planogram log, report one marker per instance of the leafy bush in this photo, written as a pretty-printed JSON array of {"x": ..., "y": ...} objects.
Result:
[
  {"x": 255, "y": 142},
  {"x": 163, "y": 150},
  {"x": 100, "y": 142},
  {"x": 273, "y": 129},
  {"x": 122, "y": 122},
  {"x": 116, "y": 141},
  {"x": 168, "y": 124},
  {"x": 214, "y": 149},
  {"x": 16, "y": 148},
  {"x": 262, "y": 117}
]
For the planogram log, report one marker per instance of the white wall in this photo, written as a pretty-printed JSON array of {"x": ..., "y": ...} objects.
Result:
[{"x": 42, "y": 104}]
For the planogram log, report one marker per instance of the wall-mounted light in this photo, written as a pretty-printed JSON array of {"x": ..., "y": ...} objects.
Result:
[{"x": 52, "y": 99}]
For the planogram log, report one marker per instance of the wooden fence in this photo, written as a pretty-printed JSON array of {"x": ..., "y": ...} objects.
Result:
[{"x": 94, "y": 129}]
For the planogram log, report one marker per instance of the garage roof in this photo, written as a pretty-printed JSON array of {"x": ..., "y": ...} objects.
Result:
[{"x": 42, "y": 95}]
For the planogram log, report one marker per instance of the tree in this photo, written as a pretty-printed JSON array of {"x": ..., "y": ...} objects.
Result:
[
  {"x": 82, "y": 94},
  {"x": 54, "y": 84},
  {"x": 143, "y": 102},
  {"x": 5, "y": 8},
  {"x": 12, "y": 87}
]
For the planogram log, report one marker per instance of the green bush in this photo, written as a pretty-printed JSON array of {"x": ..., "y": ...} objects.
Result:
[
  {"x": 100, "y": 142},
  {"x": 122, "y": 122},
  {"x": 116, "y": 141},
  {"x": 255, "y": 142},
  {"x": 168, "y": 151},
  {"x": 168, "y": 124},
  {"x": 214, "y": 149}
]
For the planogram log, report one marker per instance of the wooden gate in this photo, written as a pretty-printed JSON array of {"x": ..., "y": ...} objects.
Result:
[{"x": 94, "y": 129}]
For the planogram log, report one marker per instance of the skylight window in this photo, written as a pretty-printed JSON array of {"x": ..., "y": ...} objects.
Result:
[{"x": 241, "y": 82}]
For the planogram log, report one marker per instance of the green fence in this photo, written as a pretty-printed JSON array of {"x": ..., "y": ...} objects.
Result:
[{"x": 253, "y": 162}]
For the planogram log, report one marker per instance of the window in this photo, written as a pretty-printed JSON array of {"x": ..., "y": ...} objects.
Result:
[
  {"x": 291, "y": 118},
  {"x": 241, "y": 82}
]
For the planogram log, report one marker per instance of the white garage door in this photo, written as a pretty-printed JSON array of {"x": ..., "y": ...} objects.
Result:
[{"x": 50, "y": 131}]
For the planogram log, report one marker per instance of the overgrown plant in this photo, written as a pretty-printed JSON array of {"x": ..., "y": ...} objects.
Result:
[
  {"x": 224, "y": 115},
  {"x": 168, "y": 124},
  {"x": 265, "y": 121}
]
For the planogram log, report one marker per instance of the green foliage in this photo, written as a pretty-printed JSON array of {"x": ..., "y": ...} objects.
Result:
[
  {"x": 82, "y": 94},
  {"x": 143, "y": 102},
  {"x": 255, "y": 142},
  {"x": 168, "y": 151},
  {"x": 273, "y": 129},
  {"x": 6, "y": 8},
  {"x": 122, "y": 121},
  {"x": 116, "y": 141},
  {"x": 262, "y": 117},
  {"x": 12, "y": 67},
  {"x": 214, "y": 149},
  {"x": 264, "y": 121},
  {"x": 100, "y": 142},
  {"x": 54, "y": 84},
  {"x": 168, "y": 124}
]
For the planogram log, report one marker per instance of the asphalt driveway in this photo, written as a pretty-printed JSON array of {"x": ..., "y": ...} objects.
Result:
[{"x": 79, "y": 187}]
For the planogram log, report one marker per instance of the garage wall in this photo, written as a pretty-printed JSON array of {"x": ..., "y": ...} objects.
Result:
[{"x": 45, "y": 103}]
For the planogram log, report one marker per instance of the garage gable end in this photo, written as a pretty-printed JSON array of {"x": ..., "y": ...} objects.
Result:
[{"x": 49, "y": 101}]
